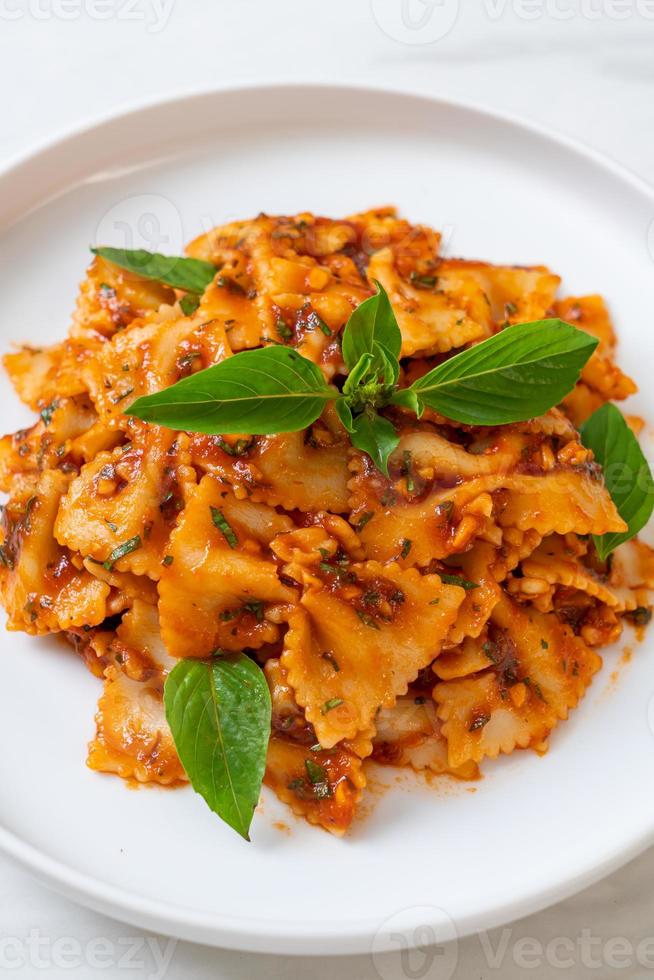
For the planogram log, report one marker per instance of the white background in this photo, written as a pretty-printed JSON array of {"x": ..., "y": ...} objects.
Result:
[{"x": 583, "y": 67}]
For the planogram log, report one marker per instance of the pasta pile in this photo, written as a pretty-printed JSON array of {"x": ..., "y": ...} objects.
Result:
[{"x": 449, "y": 613}]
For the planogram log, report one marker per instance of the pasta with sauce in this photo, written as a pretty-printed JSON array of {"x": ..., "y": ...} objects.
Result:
[{"x": 449, "y": 612}]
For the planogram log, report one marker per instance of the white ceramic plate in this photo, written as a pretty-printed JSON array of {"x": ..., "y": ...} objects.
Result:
[{"x": 536, "y": 829}]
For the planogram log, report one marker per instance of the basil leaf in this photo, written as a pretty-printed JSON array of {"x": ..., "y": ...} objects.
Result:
[
  {"x": 407, "y": 398},
  {"x": 360, "y": 373},
  {"x": 344, "y": 413},
  {"x": 627, "y": 474},
  {"x": 515, "y": 375},
  {"x": 261, "y": 391},
  {"x": 372, "y": 329},
  {"x": 219, "y": 713},
  {"x": 179, "y": 272},
  {"x": 376, "y": 436}
]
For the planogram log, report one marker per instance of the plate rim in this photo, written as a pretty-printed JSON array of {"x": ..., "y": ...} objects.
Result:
[{"x": 250, "y": 934}]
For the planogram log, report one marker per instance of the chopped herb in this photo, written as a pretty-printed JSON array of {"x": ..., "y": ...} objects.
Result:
[
  {"x": 363, "y": 520},
  {"x": 231, "y": 284},
  {"x": 491, "y": 652},
  {"x": 27, "y": 519},
  {"x": 434, "y": 602},
  {"x": 227, "y": 615},
  {"x": 510, "y": 309},
  {"x": 126, "y": 548},
  {"x": 112, "y": 527},
  {"x": 424, "y": 282},
  {"x": 283, "y": 329},
  {"x": 313, "y": 321},
  {"x": 406, "y": 547},
  {"x": 238, "y": 448},
  {"x": 168, "y": 560},
  {"x": 330, "y": 705},
  {"x": 318, "y": 779},
  {"x": 188, "y": 359},
  {"x": 463, "y": 583},
  {"x": 47, "y": 412},
  {"x": 331, "y": 659},
  {"x": 256, "y": 607},
  {"x": 6, "y": 559},
  {"x": 116, "y": 399},
  {"x": 189, "y": 303},
  {"x": 224, "y": 526},
  {"x": 544, "y": 644},
  {"x": 478, "y": 722},
  {"x": 367, "y": 620},
  {"x": 317, "y": 747},
  {"x": 389, "y": 497},
  {"x": 445, "y": 509},
  {"x": 640, "y": 616},
  {"x": 407, "y": 471}
]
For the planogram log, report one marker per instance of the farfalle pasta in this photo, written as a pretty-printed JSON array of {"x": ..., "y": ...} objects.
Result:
[{"x": 444, "y": 606}]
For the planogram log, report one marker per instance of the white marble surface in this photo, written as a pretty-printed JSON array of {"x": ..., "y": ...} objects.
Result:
[{"x": 584, "y": 67}]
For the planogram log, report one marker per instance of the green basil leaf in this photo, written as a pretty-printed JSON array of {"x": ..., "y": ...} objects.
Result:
[
  {"x": 179, "y": 272},
  {"x": 360, "y": 373},
  {"x": 372, "y": 329},
  {"x": 627, "y": 474},
  {"x": 219, "y": 714},
  {"x": 258, "y": 392},
  {"x": 515, "y": 375},
  {"x": 188, "y": 304},
  {"x": 344, "y": 413},
  {"x": 407, "y": 398},
  {"x": 376, "y": 436}
]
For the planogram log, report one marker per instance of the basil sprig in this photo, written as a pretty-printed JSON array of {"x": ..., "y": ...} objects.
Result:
[
  {"x": 627, "y": 474},
  {"x": 219, "y": 712},
  {"x": 192, "y": 275},
  {"x": 517, "y": 374}
]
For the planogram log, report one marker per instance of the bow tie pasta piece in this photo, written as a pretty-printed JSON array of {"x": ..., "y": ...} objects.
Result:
[
  {"x": 478, "y": 567},
  {"x": 42, "y": 586},
  {"x": 282, "y": 470},
  {"x": 323, "y": 787},
  {"x": 559, "y": 562},
  {"x": 432, "y": 321},
  {"x": 153, "y": 354},
  {"x": 133, "y": 739},
  {"x": 283, "y": 280},
  {"x": 562, "y": 501},
  {"x": 57, "y": 440},
  {"x": 409, "y": 734},
  {"x": 356, "y": 646},
  {"x": 437, "y": 497},
  {"x": 216, "y": 588},
  {"x": 40, "y": 375},
  {"x": 537, "y": 671},
  {"x": 122, "y": 507},
  {"x": 110, "y": 299}
]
